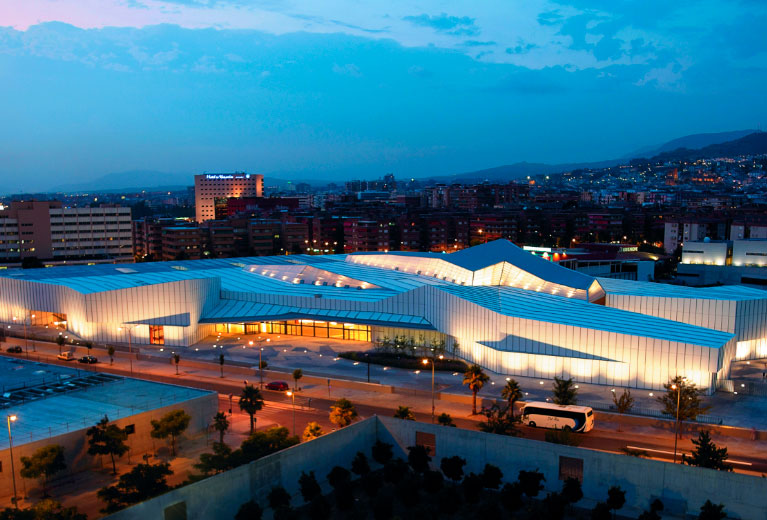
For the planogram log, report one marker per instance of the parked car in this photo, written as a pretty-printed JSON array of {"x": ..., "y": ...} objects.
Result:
[
  {"x": 14, "y": 349},
  {"x": 88, "y": 359},
  {"x": 277, "y": 385},
  {"x": 66, "y": 356}
]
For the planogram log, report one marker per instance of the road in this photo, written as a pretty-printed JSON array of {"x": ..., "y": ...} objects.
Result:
[{"x": 748, "y": 456}]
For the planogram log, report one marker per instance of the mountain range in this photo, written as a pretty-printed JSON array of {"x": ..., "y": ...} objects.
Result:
[{"x": 706, "y": 145}]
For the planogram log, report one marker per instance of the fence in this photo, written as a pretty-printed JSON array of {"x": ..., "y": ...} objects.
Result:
[{"x": 652, "y": 412}]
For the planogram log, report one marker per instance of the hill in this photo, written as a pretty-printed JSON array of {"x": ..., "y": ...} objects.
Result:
[
  {"x": 691, "y": 142},
  {"x": 752, "y": 144}
]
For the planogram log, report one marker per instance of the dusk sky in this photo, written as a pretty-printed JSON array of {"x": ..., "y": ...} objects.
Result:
[{"x": 332, "y": 89}]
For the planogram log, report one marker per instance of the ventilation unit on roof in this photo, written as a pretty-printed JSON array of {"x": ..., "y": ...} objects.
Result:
[
  {"x": 179, "y": 267},
  {"x": 237, "y": 264},
  {"x": 318, "y": 296}
]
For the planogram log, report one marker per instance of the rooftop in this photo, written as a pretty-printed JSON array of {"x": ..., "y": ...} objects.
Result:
[{"x": 50, "y": 400}]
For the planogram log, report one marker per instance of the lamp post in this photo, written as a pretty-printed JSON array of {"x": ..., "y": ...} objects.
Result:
[
  {"x": 426, "y": 362},
  {"x": 12, "y": 418},
  {"x": 367, "y": 358},
  {"x": 292, "y": 395},
  {"x": 678, "y": 389},
  {"x": 260, "y": 364}
]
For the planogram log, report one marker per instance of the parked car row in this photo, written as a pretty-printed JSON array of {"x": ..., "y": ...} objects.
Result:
[{"x": 68, "y": 356}]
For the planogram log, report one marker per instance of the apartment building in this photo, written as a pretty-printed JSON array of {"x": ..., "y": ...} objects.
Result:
[{"x": 46, "y": 231}]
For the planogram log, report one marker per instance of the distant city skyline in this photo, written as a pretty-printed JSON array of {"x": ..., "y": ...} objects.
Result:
[{"x": 339, "y": 89}]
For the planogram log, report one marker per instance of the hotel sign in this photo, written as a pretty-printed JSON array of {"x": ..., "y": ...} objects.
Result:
[{"x": 225, "y": 176}]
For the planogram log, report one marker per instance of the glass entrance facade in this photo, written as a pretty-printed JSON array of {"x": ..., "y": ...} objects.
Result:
[{"x": 318, "y": 329}]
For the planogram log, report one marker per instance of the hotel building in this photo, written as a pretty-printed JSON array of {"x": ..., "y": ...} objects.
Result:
[{"x": 212, "y": 190}]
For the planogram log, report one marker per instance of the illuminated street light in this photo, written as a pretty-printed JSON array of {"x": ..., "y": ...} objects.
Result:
[
  {"x": 292, "y": 395},
  {"x": 12, "y": 418},
  {"x": 426, "y": 362}
]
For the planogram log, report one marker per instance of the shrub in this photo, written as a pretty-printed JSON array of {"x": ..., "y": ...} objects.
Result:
[
  {"x": 408, "y": 492},
  {"x": 310, "y": 489},
  {"x": 511, "y": 496},
  {"x": 432, "y": 481},
  {"x": 382, "y": 452},
  {"x": 452, "y": 467},
  {"x": 395, "y": 471},
  {"x": 371, "y": 484},
  {"x": 571, "y": 490},
  {"x": 418, "y": 458},
  {"x": 278, "y": 498},
  {"x": 339, "y": 477},
  {"x": 360, "y": 464},
  {"x": 285, "y": 513},
  {"x": 445, "y": 420},
  {"x": 320, "y": 508},
  {"x": 554, "y": 506},
  {"x": 530, "y": 482},
  {"x": 249, "y": 511},
  {"x": 564, "y": 437},
  {"x": 382, "y": 507},
  {"x": 472, "y": 488}
]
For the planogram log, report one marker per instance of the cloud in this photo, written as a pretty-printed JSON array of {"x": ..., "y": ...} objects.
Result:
[{"x": 455, "y": 25}]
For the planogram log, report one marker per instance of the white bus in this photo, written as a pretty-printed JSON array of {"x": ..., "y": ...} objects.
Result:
[{"x": 558, "y": 417}]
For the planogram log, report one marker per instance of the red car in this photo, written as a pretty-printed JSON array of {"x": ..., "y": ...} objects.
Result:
[{"x": 277, "y": 385}]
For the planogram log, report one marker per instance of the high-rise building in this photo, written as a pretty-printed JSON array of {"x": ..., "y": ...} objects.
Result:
[
  {"x": 48, "y": 232},
  {"x": 211, "y": 191}
]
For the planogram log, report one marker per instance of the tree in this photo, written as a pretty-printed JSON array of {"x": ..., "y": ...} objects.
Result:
[
  {"x": 88, "y": 346},
  {"x": 684, "y": 393},
  {"x": 382, "y": 452},
  {"x": 564, "y": 391},
  {"x": 452, "y": 467},
  {"x": 221, "y": 363},
  {"x": 530, "y": 482},
  {"x": 60, "y": 341},
  {"x": 251, "y": 402},
  {"x": 45, "y": 509},
  {"x": 418, "y": 458},
  {"x": 472, "y": 488},
  {"x": 297, "y": 374},
  {"x": 706, "y": 454},
  {"x": 221, "y": 425},
  {"x": 445, "y": 420},
  {"x": 711, "y": 511},
  {"x": 554, "y": 506},
  {"x": 404, "y": 413},
  {"x": 310, "y": 488},
  {"x": 176, "y": 360},
  {"x": 312, "y": 431},
  {"x": 491, "y": 476},
  {"x": 511, "y": 496},
  {"x": 320, "y": 509},
  {"x": 107, "y": 439},
  {"x": 343, "y": 413},
  {"x": 261, "y": 444},
  {"x": 512, "y": 393},
  {"x": 616, "y": 498},
  {"x": 475, "y": 378},
  {"x": 250, "y": 510},
  {"x": 623, "y": 403},
  {"x": 144, "y": 481},
  {"x": 360, "y": 464},
  {"x": 172, "y": 424},
  {"x": 218, "y": 461},
  {"x": 571, "y": 490},
  {"x": 44, "y": 463},
  {"x": 652, "y": 513},
  {"x": 601, "y": 511},
  {"x": 499, "y": 421},
  {"x": 111, "y": 352}
]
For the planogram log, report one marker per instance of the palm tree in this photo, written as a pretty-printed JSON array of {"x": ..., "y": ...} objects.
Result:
[
  {"x": 220, "y": 424},
  {"x": 111, "y": 352},
  {"x": 343, "y": 412},
  {"x": 297, "y": 374},
  {"x": 404, "y": 413},
  {"x": 251, "y": 402},
  {"x": 475, "y": 378},
  {"x": 312, "y": 431},
  {"x": 512, "y": 393}
]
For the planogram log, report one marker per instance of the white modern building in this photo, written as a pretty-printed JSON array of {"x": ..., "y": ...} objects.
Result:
[
  {"x": 209, "y": 187},
  {"x": 508, "y": 310}
]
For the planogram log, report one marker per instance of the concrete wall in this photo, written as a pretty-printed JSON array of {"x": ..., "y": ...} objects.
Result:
[
  {"x": 75, "y": 443},
  {"x": 682, "y": 489},
  {"x": 220, "y": 496}
]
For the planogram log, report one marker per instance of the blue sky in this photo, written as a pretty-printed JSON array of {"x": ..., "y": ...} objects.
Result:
[{"x": 333, "y": 89}]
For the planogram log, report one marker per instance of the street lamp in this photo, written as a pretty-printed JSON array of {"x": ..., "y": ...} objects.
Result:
[
  {"x": 678, "y": 389},
  {"x": 260, "y": 364},
  {"x": 292, "y": 395},
  {"x": 426, "y": 362},
  {"x": 12, "y": 418}
]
